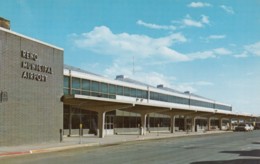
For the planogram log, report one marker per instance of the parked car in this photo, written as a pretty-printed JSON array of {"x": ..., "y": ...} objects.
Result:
[
  {"x": 251, "y": 127},
  {"x": 243, "y": 127}
]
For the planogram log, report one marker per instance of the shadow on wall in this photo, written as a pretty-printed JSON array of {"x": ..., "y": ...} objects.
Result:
[{"x": 251, "y": 153}]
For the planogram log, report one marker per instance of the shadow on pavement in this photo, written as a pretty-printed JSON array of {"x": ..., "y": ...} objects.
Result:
[
  {"x": 251, "y": 153},
  {"x": 255, "y": 142},
  {"x": 234, "y": 161}
]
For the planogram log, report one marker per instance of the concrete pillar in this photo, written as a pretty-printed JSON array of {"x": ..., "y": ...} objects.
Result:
[
  {"x": 148, "y": 123},
  {"x": 70, "y": 121},
  {"x": 193, "y": 124},
  {"x": 172, "y": 123},
  {"x": 220, "y": 123},
  {"x": 209, "y": 123},
  {"x": 185, "y": 123},
  {"x": 143, "y": 123},
  {"x": 101, "y": 124},
  {"x": 230, "y": 124}
]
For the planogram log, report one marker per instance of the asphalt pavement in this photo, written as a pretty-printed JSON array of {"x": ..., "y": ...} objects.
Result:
[
  {"x": 215, "y": 147},
  {"x": 91, "y": 140}
]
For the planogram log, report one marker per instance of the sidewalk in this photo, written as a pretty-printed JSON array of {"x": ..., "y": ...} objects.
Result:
[{"x": 88, "y": 141}]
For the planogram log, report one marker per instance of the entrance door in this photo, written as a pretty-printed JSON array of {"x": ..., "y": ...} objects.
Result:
[{"x": 109, "y": 125}]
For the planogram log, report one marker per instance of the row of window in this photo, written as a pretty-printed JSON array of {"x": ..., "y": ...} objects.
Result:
[
  {"x": 186, "y": 101},
  {"x": 168, "y": 98},
  {"x": 100, "y": 89}
]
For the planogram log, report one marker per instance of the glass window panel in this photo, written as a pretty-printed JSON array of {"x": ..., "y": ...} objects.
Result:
[
  {"x": 95, "y": 86},
  {"x": 132, "y": 92},
  {"x": 156, "y": 96},
  {"x": 104, "y": 95},
  {"x": 65, "y": 91},
  {"x": 85, "y": 84},
  {"x": 104, "y": 88},
  {"x": 126, "y": 91},
  {"x": 119, "y": 90},
  {"x": 112, "y": 96},
  {"x": 144, "y": 94},
  {"x": 75, "y": 83},
  {"x": 96, "y": 94},
  {"x": 66, "y": 82},
  {"x": 86, "y": 93},
  {"x": 75, "y": 91},
  {"x": 139, "y": 93},
  {"x": 112, "y": 89}
]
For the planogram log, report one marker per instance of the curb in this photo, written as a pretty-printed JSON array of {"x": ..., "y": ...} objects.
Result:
[
  {"x": 61, "y": 148},
  {"x": 53, "y": 149},
  {"x": 14, "y": 153}
]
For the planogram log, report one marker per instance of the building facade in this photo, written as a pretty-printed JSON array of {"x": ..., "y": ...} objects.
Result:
[{"x": 31, "y": 85}]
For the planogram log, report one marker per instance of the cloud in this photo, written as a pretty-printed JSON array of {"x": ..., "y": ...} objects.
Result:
[
  {"x": 151, "y": 78},
  {"x": 227, "y": 9},
  {"x": 242, "y": 55},
  {"x": 188, "y": 21},
  {"x": 222, "y": 51},
  {"x": 253, "y": 48},
  {"x": 202, "y": 55},
  {"x": 209, "y": 54},
  {"x": 204, "y": 83},
  {"x": 198, "y": 4},
  {"x": 205, "y": 19},
  {"x": 102, "y": 41},
  {"x": 216, "y": 37},
  {"x": 155, "y": 26}
]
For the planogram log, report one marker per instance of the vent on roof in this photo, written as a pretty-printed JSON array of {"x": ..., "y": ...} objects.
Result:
[
  {"x": 4, "y": 23},
  {"x": 160, "y": 86},
  {"x": 120, "y": 77}
]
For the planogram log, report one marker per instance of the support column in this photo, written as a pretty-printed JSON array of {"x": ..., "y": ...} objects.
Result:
[
  {"x": 143, "y": 123},
  {"x": 193, "y": 124},
  {"x": 70, "y": 121},
  {"x": 185, "y": 123},
  {"x": 172, "y": 123},
  {"x": 230, "y": 124},
  {"x": 209, "y": 123},
  {"x": 220, "y": 123},
  {"x": 148, "y": 123},
  {"x": 101, "y": 123}
]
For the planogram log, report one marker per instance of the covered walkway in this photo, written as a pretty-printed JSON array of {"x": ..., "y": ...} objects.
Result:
[{"x": 144, "y": 108}]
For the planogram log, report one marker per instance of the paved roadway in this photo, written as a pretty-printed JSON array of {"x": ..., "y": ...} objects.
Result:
[{"x": 228, "y": 148}]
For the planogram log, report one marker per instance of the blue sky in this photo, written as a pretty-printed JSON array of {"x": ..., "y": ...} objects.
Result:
[{"x": 211, "y": 48}]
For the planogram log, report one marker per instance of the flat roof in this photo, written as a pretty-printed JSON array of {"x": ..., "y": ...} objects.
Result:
[{"x": 29, "y": 38}]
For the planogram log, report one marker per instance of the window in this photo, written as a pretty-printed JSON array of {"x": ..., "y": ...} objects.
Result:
[
  {"x": 75, "y": 91},
  {"x": 139, "y": 93},
  {"x": 132, "y": 92},
  {"x": 126, "y": 91},
  {"x": 65, "y": 91},
  {"x": 85, "y": 84},
  {"x": 120, "y": 90},
  {"x": 86, "y": 93},
  {"x": 75, "y": 83},
  {"x": 104, "y": 88},
  {"x": 144, "y": 94},
  {"x": 66, "y": 82},
  {"x": 112, "y": 89},
  {"x": 95, "y": 86}
]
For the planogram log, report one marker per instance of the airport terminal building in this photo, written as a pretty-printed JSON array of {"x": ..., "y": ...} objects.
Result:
[{"x": 41, "y": 98}]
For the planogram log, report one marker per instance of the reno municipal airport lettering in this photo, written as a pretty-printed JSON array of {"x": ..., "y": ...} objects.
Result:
[{"x": 41, "y": 70}]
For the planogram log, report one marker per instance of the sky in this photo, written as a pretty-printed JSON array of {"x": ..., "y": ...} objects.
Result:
[{"x": 210, "y": 48}]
